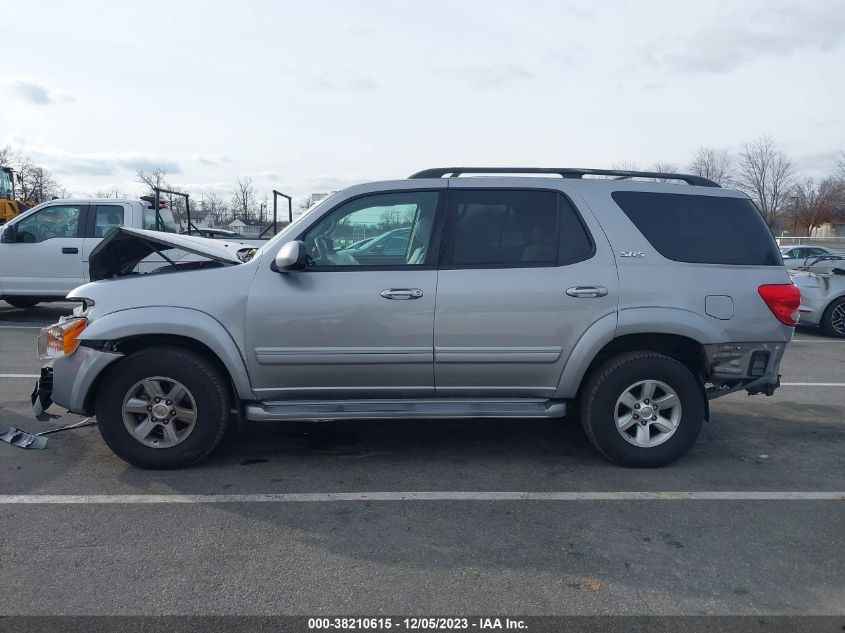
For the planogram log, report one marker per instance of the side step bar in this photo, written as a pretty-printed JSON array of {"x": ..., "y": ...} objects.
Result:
[{"x": 428, "y": 408}]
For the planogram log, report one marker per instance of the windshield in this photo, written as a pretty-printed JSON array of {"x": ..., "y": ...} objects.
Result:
[
  {"x": 166, "y": 215},
  {"x": 5, "y": 185},
  {"x": 295, "y": 223}
]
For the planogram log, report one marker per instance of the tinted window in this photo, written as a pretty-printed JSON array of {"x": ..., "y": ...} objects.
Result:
[
  {"x": 515, "y": 228},
  {"x": 54, "y": 221},
  {"x": 392, "y": 229},
  {"x": 107, "y": 218},
  {"x": 701, "y": 229}
]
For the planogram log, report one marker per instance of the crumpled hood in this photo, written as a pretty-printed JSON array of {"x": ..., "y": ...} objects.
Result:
[{"x": 122, "y": 250}]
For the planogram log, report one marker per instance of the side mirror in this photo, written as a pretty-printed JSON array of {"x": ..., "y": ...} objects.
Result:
[
  {"x": 10, "y": 234},
  {"x": 292, "y": 256}
]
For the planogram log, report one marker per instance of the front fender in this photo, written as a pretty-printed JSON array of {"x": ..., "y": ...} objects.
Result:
[{"x": 187, "y": 322}]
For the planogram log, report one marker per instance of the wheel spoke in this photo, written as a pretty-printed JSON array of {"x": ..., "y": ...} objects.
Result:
[
  {"x": 170, "y": 434},
  {"x": 144, "y": 429},
  {"x": 648, "y": 389},
  {"x": 136, "y": 405},
  {"x": 153, "y": 388},
  {"x": 643, "y": 435},
  {"x": 665, "y": 424},
  {"x": 176, "y": 393},
  {"x": 629, "y": 400},
  {"x": 668, "y": 401},
  {"x": 624, "y": 422},
  {"x": 186, "y": 415}
]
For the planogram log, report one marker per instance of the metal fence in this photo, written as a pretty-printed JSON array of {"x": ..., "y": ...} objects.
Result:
[{"x": 836, "y": 243}]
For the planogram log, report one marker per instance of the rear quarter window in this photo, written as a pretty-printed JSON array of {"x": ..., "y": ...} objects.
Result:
[{"x": 701, "y": 229}]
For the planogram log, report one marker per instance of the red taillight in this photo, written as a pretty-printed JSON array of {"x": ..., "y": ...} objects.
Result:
[{"x": 783, "y": 300}]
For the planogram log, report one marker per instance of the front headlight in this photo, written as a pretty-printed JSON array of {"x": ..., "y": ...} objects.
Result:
[{"x": 60, "y": 339}]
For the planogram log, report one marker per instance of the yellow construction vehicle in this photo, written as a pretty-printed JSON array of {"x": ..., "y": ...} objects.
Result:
[{"x": 9, "y": 205}]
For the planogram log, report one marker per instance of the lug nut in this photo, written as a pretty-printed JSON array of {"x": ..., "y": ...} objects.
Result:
[
  {"x": 167, "y": 402},
  {"x": 158, "y": 399},
  {"x": 636, "y": 417},
  {"x": 149, "y": 408},
  {"x": 653, "y": 418},
  {"x": 637, "y": 406},
  {"x": 173, "y": 412},
  {"x": 646, "y": 400}
]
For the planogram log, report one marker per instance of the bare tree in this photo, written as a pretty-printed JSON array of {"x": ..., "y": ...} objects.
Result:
[
  {"x": 767, "y": 175},
  {"x": 5, "y": 155},
  {"x": 37, "y": 183},
  {"x": 243, "y": 198},
  {"x": 713, "y": 164},
  {"x": 215, "y": 207},
  {"x": 840, "y": 167},
  {"x": 814, "y": 204},
  {"x": 626, "y": 165},
  {"x": 155, "y": 178}
]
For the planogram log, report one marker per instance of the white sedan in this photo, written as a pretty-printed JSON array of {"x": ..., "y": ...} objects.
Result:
[{"x": 795, "y": 256}]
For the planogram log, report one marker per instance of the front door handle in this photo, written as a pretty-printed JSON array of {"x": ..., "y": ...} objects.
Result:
[
  {"x": 587, "y": 292},
  {"x": 70, "y": 250},
  {"x": 402, "y": 294}
]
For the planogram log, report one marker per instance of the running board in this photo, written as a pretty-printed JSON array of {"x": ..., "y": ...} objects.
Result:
[{"x": 431, "y": 409}]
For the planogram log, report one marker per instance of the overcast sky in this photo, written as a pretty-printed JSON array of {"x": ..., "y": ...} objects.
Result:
[{"x": 312, "y": 96}]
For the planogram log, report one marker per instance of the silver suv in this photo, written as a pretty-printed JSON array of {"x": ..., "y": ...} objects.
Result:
[{"x": 630, "y": 301}]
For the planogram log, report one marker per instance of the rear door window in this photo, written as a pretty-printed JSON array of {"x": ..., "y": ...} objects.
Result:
[
  {"x": 107, "y": 217},
  {"x": 514, "y": 228},
  {"x": 701, "y": 229}
]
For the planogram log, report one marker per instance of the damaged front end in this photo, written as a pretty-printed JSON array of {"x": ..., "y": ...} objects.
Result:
[{"x": 136, "y": 251}]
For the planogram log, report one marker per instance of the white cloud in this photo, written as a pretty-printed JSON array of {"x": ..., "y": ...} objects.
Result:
[
  {"x": 34, "y": 92},
  {"x": 752, "y": 33}
]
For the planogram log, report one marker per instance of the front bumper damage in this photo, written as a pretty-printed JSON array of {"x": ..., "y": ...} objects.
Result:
[
  {"x": 68, "y": 381},
  {"x": 753, "y": 367}
]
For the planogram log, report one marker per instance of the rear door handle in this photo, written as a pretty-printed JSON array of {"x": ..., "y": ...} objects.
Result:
[
  {"x": 70, "y": 250},
  {"x": 402, "y": 294},
  {"x": 587, "y": 292}
]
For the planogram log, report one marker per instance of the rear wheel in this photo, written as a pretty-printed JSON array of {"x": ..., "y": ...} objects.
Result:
[
  {"x": 163, "y": 407},
  {"x": 833, "y": 319},
  {"x": 642, "y": 409},
  {"x": 20, "y": 302}
]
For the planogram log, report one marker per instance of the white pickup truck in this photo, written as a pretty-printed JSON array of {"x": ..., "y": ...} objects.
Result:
[{"x": 44, "y": 251}]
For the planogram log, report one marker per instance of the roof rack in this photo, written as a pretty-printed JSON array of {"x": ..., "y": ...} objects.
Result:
[{"x": 565, "y": 172}]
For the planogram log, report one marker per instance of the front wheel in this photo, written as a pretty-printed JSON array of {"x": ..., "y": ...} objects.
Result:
[
  {"x": 163, "y": 407},
  {"x": 833, "y": 319},
  {"x": 642, "y": 409}
]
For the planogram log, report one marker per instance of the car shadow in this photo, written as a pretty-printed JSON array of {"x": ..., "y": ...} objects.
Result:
[{"x": 38, "y": 314}]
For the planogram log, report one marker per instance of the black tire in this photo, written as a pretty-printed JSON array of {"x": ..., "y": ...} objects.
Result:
[
  {"x": 21, "y": 302},
  {"x": 827, "y": 321},
  {"x": 608, "y": 383},
  {"x": 206, "y": 384}
]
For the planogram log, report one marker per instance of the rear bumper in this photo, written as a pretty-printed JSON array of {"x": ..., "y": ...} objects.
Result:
[
  {"x": 75, "y": 375},
  {"x": 751, "y": 366}
]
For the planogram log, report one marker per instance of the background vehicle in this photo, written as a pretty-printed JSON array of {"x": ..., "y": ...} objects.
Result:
[
  {"x": 213, "y": 233},
  {"x": 10, "y": 206},
  {"x": 631, "y": 302},
  {"x": 797, "y": 256},
  {"x": 379, "y": 249},
  {"x": 823, "y": 299},
  {"x": 44, "y": 252}
]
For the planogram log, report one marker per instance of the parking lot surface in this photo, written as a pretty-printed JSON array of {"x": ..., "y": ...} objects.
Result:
[{"x": 463, "y": 544}]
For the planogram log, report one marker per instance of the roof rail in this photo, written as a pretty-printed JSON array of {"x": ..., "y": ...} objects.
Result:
[{"x": 565, "y": 172}]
